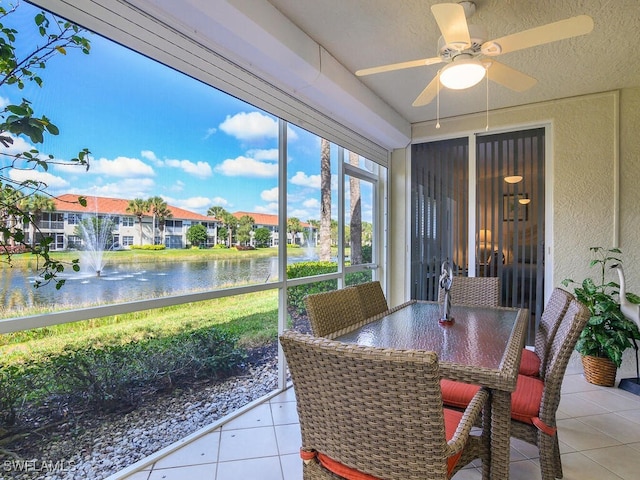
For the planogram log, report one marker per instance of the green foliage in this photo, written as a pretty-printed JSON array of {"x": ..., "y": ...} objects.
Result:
[
  {"x": 295, "y": 295},
  {"x": 16, "y": 380},
  {"x": 20, "y": 64},
  {"x": 262, "y": 236},
  {"x": 608, "y": 332},
  {"x": 147, "y": 247},
  {"x": 197, "y": 234},
  {"x": 117, "y": 376}
]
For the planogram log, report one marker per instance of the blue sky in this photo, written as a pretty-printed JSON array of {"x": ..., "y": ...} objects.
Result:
[{"x": 154, "y": 131}]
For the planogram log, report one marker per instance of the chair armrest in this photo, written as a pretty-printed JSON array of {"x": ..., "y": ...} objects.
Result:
[{"x": 469, "y": 419}]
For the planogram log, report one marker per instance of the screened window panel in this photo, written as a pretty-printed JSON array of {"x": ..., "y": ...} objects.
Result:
[{"x": 439, "y": 216}]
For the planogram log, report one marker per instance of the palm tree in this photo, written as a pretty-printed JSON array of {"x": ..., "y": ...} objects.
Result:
[
  {"x": 138, "y": 207},
  {"x": 159, "y": 210},
  {"x": 294, "y": 226},
  {"x": 10, "y": 200},
  {"x": 220, "y": 214},
  {"x": 36, "y": 204},
  {"x": 355, "y": 222},
  {"x": 325, "y": 201}
]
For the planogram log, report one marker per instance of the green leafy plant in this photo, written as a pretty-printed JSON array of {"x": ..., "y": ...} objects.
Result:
[
  {"x": 23, "y": 57},
  {"x": 608, "y": 333}
]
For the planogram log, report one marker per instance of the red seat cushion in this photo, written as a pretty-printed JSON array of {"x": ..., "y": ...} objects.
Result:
[
  {"x": 451, "y": 420},
  {"x": 530, "y": 363},
  {"x": 457, "y": 394},
  {"x": 525, "y": 401}
]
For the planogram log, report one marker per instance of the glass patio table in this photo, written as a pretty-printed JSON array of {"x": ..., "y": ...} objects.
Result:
[{"x": 482, "y": 346}]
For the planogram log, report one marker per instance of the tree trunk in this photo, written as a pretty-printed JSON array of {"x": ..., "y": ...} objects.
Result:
[
  {"x": 325, "y": 201},
  {"x": 356, "y": 214}
]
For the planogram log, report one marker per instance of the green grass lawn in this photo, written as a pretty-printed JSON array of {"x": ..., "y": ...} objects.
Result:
[{"x": 252, "y": 317}]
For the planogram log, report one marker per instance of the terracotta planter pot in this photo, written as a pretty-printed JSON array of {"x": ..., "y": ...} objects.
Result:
[{"x": 599, "y": 371}]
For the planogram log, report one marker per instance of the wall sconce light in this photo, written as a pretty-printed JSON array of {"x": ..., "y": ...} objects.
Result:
[
  {"x": 513, "y": 179},
  {"x": 524, "y": 201}
]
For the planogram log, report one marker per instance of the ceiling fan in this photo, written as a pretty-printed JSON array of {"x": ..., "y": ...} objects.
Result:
[{"x": 469, "y": 56}]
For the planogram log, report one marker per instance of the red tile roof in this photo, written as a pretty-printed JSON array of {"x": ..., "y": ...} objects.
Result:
[
  {"x": 265, "y": 218},
  {"x": 116, "y": 206}
]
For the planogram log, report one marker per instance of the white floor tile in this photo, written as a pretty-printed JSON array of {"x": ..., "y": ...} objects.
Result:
[
  {"x": 247, "y": 443},
  {"x": 201, "y": 450},
  {"x": 259, "y": 416},
  {"x": 257, "y": 468},
  {"x": 284, "y": 413},
  {"x": 201, "y": 472},
  {"x": 576, "y": 466},
  {"x": 291, "y": 466},
  {"x": 621, "y": 460},
  {"x": 289, "y": 439},
  {"x": 580, "y": 436}
]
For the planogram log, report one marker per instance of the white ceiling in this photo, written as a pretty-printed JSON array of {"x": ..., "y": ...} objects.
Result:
[{"x": 366, "y": 33}]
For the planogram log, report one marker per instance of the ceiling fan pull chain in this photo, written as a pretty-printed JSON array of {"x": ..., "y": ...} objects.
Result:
[
  {"x": 486, "y": 128},
  {"x": 438, "y": 102}
]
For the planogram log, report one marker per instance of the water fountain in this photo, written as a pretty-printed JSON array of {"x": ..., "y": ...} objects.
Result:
[{"x": 96, "y": 233}]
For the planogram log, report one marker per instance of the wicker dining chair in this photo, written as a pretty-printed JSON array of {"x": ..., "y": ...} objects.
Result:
[
  {"x": 377, "y": 412},
  {"x": 372, "y": 298},
  {"x": 532, "y": 362},
  {"x": 535, "y": 401},
  {"x": 483, "y": 291},
  {"x": 331, "y": 311}
]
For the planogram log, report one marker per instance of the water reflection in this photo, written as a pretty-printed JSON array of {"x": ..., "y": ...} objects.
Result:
[{"x": 127, "y": 282}]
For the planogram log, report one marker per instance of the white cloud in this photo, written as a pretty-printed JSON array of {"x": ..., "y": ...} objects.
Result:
[
  {"x": 4, "y": 101},
  {"x": 51, "y": 181},
  {"x": 270, "y": 195},
  {"x": 250, "y": 126},
  {"x": 19, "y": 145},
  {"x": 210, "y": 131},
  {"x": 247, "y": 167},
  {"x": 149, "y": 155},
  {"x": 220, "y": 202},
  {"x": 199, "y": 169},
  {"x": 122, "y": 167},
  {"x": 304, "y": 180},
  {"x": 125, "y": 188},
  {"x": 271, "y": 208},
  {"x": 300, "y": 214},
  {"x": 311, "y": 203},
  {"x": 264, "y": 154},
  {"x": 193, "y": 204}
]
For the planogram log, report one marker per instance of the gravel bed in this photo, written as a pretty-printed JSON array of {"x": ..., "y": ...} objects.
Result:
[{"x": 94, "y": 446}]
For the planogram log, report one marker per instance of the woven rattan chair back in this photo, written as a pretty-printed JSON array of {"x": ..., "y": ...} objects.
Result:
[
  {"x": 562, "y": 346},
  {"x": 483, "y": 291},
  {"x": 552, "y": 315},
  {"x": 372, "y": 298},
  {"x": 375, "y": 410},
  {"x": 332, "y": 311}
]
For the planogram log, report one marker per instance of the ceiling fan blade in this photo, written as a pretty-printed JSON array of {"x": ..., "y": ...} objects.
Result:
[
  {"x": 551, "y": 32},
  {"x": 398, "y": 66},
  {"x": 428, "y": 94},
  {"x": 453, "y": 24},
  {"x": 507, "y": 76}
]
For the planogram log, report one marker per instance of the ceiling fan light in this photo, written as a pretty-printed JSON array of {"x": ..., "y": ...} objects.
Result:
[
  {"x": 513, "y": 179},
  {"x": 461, "y": 74}
]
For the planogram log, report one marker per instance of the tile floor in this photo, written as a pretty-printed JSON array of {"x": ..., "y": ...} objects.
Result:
[{"x": 599, "y": 431}]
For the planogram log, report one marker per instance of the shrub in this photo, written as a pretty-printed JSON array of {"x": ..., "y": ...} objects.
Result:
[
  {"x": 147, "y": 247},
  {"x": 295, "y": 295},
  {"x": 15, "y": 381},
  {"x": 114, "y": 377}
]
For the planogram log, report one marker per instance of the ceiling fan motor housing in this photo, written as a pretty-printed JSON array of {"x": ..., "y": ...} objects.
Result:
[{"x": 448, "y": 51}]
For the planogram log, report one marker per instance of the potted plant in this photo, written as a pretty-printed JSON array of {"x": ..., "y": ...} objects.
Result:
[{"x": 608, "y": 332}]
